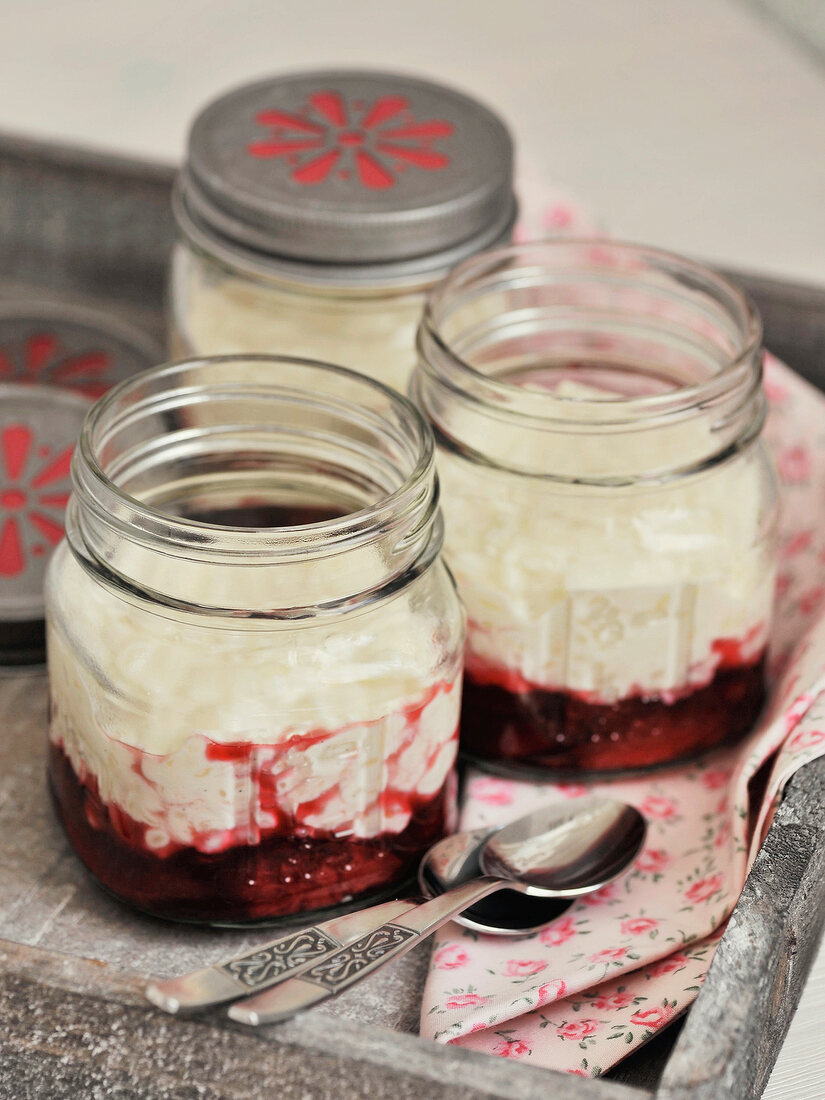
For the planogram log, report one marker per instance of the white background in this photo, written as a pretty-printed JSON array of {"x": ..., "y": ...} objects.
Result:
[{"x": 691, "y": 124}]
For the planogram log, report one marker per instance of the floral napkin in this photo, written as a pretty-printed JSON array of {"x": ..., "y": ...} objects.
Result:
[{"x": 620, "y": 964}]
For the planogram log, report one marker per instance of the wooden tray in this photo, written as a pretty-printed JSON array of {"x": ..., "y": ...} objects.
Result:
[{"x": 95, "y": 230}]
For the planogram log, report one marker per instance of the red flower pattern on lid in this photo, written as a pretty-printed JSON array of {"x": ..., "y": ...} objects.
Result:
[
  {"x": 34, "y": 489},
  {"x": 42, "y": 358},
  {"x": 371, "y": 142}
]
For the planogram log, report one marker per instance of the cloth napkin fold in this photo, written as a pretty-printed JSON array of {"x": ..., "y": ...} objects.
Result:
[{"x": 620, "y": 964}]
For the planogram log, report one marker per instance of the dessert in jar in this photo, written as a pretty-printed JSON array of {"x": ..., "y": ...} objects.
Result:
[
  {"x": 315, "y": 210},
  {"x": 609, "y": 507},
  {"x": 254, "y": 648}
]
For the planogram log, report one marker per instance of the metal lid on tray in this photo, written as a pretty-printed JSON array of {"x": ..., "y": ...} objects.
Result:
[
  {"x": 54, "y": 361},
  {"x": 350, "y": 168},
  {"x": 71, "y": 347}
]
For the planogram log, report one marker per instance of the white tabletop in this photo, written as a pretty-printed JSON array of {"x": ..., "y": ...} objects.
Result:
[{"x": 691, "y": 124}]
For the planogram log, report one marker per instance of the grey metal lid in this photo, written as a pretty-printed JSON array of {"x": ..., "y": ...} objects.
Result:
[
  {"x": 79, "y": 349},
  {"x": 39, "y": 427},
  {"x": 54, "y": 361},
  {"x": 349, "y": 168}
]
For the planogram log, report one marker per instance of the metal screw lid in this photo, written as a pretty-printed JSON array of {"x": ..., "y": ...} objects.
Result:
[
  {"x": 79, "y": 349},
  {"x": 348, "y": 168},
  {"x": 39, "y": 427},
  {"x": 54, "y": 360}
]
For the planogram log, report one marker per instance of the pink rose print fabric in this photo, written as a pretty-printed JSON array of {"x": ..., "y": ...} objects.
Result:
[
  {"x": 620, "y": 965},
  {"x": 546, "y": 211}
]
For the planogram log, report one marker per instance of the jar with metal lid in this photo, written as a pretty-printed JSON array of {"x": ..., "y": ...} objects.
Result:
[
  {"x": 609, "y": 507},
  {"x": 254, "y": 648},
  {"x": 315, "y": 211}
]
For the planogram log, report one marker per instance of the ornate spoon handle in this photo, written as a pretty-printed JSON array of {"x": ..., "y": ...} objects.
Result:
[
  {"x": 344, "y": 968},
  {"x": 271, "y": 962}
]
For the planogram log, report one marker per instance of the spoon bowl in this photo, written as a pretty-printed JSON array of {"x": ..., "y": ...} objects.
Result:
[
  {"x": 557, "y": 853},
  {"x": 456, "y": 860},
  {"x": 566, "y": 849}
]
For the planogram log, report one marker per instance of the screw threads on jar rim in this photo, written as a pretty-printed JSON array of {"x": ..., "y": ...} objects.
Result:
[
  {"x": 225, "y": 431},
  {"x": 510, "y": 341}
]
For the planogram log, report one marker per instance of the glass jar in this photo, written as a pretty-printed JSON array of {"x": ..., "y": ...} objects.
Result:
[
  {"x": 254, "y": 647},
  {"x": 315, "y": 210},
  {"x": 609, "y": 507}
]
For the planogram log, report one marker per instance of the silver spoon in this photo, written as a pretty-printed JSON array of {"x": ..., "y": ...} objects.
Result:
[
  {"x": 559, "y": 851},
  {"x": 451, "y": 861},
  {"x": 456, "y": 860}
]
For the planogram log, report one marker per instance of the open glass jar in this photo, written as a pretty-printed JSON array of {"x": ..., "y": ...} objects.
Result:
[
  {"x": 315, "y": 210},
  {"x": 254, "y": 648},
  {"x": 610, "y": 510}
]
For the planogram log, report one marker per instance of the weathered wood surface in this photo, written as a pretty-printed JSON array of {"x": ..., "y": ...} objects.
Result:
[
  {"x": 97, "y": 230},
  {"x": 88, "y": 1032},
  {"x": 730, "y": 1040}
]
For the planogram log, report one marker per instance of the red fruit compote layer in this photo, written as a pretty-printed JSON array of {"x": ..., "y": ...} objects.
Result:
[
  {"x": 255, "y": 771},
  {"x": 508, "y": 719}
]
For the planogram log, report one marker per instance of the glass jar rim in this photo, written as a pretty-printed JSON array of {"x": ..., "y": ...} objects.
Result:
[
  {"x": 554, "y": 410},
  {"x": 418, "y": 487}
]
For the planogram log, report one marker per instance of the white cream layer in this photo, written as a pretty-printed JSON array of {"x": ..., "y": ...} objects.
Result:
[
  {"x": 217, "y": 313},
  {"x": 610, "y": 591},
  {"x": 138, "y": 697}
]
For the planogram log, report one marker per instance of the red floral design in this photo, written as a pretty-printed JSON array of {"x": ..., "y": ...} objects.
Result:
[
  {"x": 811, "y": 600},
  {"x": 572, "y": 790},
  {"x": 714, "y": 779},
  {"x": 723, "y": 836},
  {"x": 371, "y": 142},
  {"x": 465, "y": 1000},
  {"x": 654, "y": 1018},
  {"x": 558, "y": 215},
  {"x": 512, "y": 1048},
  {"x": 775, "y": 392},
  {"x": 450, "y": 957},
  {"x": 557, "y": 934},
  {"x": 607, "y": 893},
  {"x": 521, "y": 968},
  {"x": 704, "y": 888},
  {"x": 797, "y": 710},
  {"x": 609, "y": 953},
  {"x": 653, "y": 860},
  {"x": 43, "y": 359},
  {"x": 34, "y": 488},
  {"x": 612, "y": 1001},
  {"x": 637, "y": 926},
  {"x": 797, "y": 543},
  {"x": 657, "y": 807},
  {"x": 806, "y": 739},
  {"x": 551, "y": 991},
  {"x": 794, "y": 465},
  {"x": 578, "y": 1029},
  {"x": 676, "y": 961}
]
